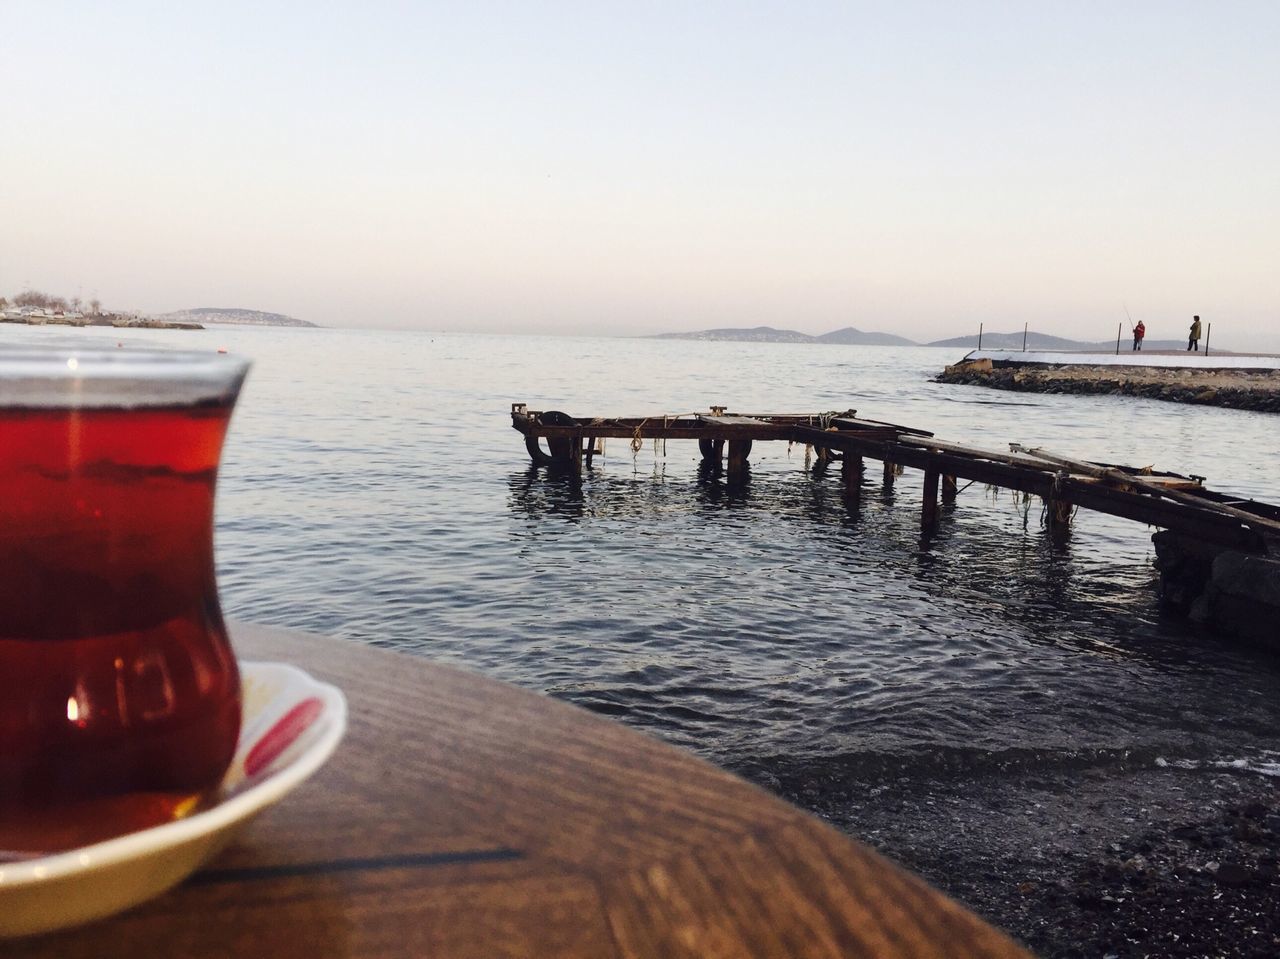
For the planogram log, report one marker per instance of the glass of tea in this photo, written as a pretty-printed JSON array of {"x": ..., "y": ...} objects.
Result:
[{"x": 119, "y": 692}]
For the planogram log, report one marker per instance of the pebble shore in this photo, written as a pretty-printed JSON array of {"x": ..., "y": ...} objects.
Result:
[{"x": 1118, "y": 857}]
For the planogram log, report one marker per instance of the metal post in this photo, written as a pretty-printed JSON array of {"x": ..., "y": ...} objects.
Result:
[
  {"x": 1207, "y": 331},
  {"x": 979, "y": 336},
  {"x": 1024, "y": 337},
  {"x": 1119, "y": 331}
]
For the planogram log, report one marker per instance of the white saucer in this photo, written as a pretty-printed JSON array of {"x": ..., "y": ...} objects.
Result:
[{"x": 291, "y": 724}]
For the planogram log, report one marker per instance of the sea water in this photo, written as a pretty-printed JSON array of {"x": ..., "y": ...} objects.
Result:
[{"x": 372, "y": 488}]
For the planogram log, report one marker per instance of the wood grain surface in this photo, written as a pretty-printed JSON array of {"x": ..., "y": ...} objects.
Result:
[{"x": 463, "y": 817}]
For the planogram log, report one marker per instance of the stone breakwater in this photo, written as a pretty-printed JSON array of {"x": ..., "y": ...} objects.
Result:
[{"x": 1235, "y": 389}]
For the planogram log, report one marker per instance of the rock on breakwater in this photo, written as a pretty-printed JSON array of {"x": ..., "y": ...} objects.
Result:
[{"x": 1234, "y": 389}]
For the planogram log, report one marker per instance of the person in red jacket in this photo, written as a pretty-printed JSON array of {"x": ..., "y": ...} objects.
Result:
[{"x": 1139, "y": 332}]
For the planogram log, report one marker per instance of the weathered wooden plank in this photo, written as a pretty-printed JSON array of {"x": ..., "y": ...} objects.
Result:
[
  {"x": 859, "y": 423},
  {"x": 1014, "y": 459},
  {"x": 733, "y": 421},
  {"x": 1203, "y": 522},
  {"x": 1208, "y": 525},
  {"x": 1261, "y": 522},
  {"x": 684, "y": 430}
]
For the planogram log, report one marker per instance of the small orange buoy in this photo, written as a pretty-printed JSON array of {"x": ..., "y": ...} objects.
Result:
[{"x": 222, "y": 349}]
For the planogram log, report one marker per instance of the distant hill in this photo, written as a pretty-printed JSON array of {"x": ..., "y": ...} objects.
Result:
[
  {"x": 1043, "y": 341},
  {"x": 1012, "y": 341},
  {"x": 857, "y": 337},
  {"x": 767, "y": 334},
  {"x": 759, "y": 334},
  {"x": 851, "y": 336},
  {"x": 218, "y": 314}
]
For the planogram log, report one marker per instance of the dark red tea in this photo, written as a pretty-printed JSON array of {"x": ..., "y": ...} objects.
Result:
[{"x": 119, "y": 693}]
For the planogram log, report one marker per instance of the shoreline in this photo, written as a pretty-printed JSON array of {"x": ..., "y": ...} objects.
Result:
[
  {"x": 106, "y": 319},
  {"x": 1117, "y": 857},
  {"x": 1241, "y": 389}
]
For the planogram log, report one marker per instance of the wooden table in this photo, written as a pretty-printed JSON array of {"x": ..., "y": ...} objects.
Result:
[{"x": 466, "y": 817}]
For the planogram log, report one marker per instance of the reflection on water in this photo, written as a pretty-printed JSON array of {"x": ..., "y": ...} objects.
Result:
[
  {"x": 547, "y": 491},
  {"x": 373, "y": 488}
]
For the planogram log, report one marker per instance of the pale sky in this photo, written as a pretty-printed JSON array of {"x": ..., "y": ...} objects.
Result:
[{"x": 607, "y": 168}]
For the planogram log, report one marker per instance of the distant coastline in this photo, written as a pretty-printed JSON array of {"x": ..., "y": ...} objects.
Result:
[
  {"x": 230, "y": 316},
  {"x": 44, "y": 318},
  {"x": 852, "y": 336},
  {"x": 36, "y": 308}
]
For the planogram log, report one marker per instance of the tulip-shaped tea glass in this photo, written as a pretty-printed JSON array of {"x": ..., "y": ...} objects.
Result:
[{"x": 119, "y": 693}]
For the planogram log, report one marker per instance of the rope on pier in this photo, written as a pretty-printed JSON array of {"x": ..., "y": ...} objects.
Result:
[{"x": 637, "y": 441}]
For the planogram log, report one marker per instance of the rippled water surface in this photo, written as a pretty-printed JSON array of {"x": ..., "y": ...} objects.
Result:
[{"x": 372, "y": 488}]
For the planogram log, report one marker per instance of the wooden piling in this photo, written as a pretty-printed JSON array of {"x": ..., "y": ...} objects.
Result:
[
  {"x": 576, "y": 455},
  {"x": 1058, "y": 514},
  {"x": 851, "y": 473},
  {"x": 738, "y": 450},
  {"x": 890, "y": 474},
  {"x": 929, "y": 515},
  {"x": 948, "y": 488}
]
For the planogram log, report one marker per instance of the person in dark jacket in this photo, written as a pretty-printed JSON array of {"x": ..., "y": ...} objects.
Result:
[{"x": 1193, "y": 341}]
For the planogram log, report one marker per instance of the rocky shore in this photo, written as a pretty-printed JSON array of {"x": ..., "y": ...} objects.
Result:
[
  {"x": 1235, "y": 389},
  {"x": 1134, "y": 857}
]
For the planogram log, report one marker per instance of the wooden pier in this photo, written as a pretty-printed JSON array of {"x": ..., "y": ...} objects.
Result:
[{"x": 1181, "y": 504}]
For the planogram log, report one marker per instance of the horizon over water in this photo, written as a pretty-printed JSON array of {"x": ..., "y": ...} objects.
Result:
[{"x": 373, "y": 489}]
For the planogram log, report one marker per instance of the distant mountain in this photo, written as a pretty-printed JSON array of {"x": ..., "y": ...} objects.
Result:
[
  {"x": 759, "y": 334},
  {"x": 767, "y": 334},
  {"x": 856, "y": 337},
  {"x": 1043, "y": 341},
  {"x": 218, "y": 314},
  {"x": 1013, "y": 341},
  {"x": 851, "y": 336}
]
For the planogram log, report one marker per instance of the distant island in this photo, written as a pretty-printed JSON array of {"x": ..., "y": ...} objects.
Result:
[
  {"x": 238, "y": 317},
  {"x": 767, "y": 334},
  {"x": 854, "y": 337}
]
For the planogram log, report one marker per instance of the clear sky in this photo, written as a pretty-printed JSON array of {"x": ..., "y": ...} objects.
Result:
[{"x": 615, "y": 168}]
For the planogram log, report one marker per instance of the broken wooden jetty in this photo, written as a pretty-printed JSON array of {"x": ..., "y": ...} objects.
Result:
[
  {"x": 1171, "y": 501},
  {"x": 1218, "y": 555}
]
